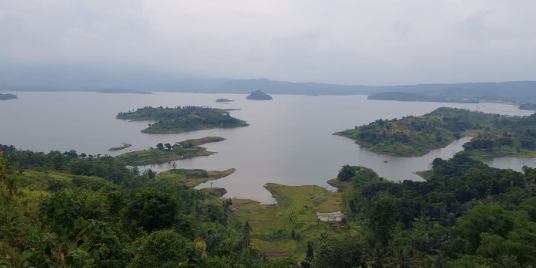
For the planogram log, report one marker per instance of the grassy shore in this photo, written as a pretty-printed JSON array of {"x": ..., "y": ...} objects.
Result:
[{"x": 283, "y": 229}]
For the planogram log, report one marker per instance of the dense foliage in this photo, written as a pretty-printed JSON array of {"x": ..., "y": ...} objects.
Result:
[
  {"x": 494, "y": 135},
  {"x": 466, "y": 215},
  {"x": 182, "y": 119},
  {"x": 68, "y": 210}
]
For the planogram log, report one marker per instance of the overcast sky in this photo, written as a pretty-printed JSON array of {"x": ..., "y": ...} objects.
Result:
[{"x": 344, "y": 42}]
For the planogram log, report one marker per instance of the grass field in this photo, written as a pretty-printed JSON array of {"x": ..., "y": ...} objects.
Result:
[{"x": 286, "y": 227}]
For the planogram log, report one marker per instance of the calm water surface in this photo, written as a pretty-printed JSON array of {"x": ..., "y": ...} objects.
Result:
[{"x": 289, "y": 140}]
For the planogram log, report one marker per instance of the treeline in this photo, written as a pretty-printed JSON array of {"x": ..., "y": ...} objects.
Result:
[
  {"x": 182, "y": 119},
  {"x": 55, "y": 214},
  {"x": 466, "y": 215}
]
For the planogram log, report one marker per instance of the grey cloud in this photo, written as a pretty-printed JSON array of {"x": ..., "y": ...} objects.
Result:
[{"x": 347, "y": 41}]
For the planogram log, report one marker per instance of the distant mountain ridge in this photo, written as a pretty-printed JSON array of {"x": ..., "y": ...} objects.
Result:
[{"x": 505, "y": 91}]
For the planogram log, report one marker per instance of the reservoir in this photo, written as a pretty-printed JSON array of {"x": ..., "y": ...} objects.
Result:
[{"x": 289, "y": 140}]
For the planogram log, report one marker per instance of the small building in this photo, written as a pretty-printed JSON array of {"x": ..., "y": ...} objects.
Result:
[{"x": 339, "y": 224}]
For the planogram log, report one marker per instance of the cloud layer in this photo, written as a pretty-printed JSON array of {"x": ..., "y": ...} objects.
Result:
[{"x": 344, "y": 42}]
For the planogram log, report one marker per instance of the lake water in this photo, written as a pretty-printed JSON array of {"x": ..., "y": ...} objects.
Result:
[{"x": 289, "y": 140}]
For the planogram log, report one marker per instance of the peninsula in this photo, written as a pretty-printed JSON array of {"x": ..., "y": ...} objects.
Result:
[
  {"x": 493, "y": 135},
  {"x": 182, "y": 119},
  {"x": 258, "y": 95},
  {"x": 164, "y": 153}
]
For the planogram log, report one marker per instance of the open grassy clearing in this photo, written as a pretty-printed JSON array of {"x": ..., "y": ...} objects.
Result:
[{"x": 289, "y": 224}]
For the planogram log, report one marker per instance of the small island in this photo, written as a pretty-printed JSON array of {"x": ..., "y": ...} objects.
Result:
[
  {"x": 182, "y": 119},
  {"x": 121, "y": 91},
  {"x": 259, "y": 95},
  {"x": 224, "y": 100},
  {"x": 492, "y": 135},
  {"x": 125, "y": 145},
  {"x": 8, "y": 96},
  {"x": 164, "y": 153}
]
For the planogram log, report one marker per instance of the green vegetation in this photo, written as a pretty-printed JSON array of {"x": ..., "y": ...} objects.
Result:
[
  {"x": 76, "y": 210},
  {"x": 73, "y": 210},
  {"x": 192, "y": 177},
  {"x": 223, "y": 100},
  {"x": 182, "y": 119},
  {"x": 283, "y": 229},
  {"x": 465, "y": 215},
  {"x": 528, "y": 106},
  {"x": 7, "y": 96},
  {"x": 493, "y": 135},
  {"x": 125, "y": 145},
  {"x": 164, "y": 153},
  {"x": 258, "y": 95}
]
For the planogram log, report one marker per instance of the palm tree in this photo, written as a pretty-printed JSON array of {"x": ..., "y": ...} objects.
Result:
[
  {"x": 402, "y": 258},
  {"x": 375, "y": 256},
  {"x": 435, "y": 262}
]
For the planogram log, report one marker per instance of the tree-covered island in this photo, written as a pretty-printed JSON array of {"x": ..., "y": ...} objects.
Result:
[
  {"x": 224, "y": 100},
  {"x": 8, "y": 96},
  {"x": 182, "y": 119},
  {"x": 493, "y": 135},
  {"x": 259, "y": 95},
  {"x": 167, "y": 152},
  {"x": 119, "y": 148}
]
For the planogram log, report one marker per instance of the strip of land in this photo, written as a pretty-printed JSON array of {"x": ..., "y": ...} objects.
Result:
[
  {"x": 124, "y": 146},
  {"x": 178, "y": 151},
  {"x": 192, "y": 177}
]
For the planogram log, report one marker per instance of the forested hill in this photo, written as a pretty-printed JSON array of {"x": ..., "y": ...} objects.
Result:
[
  {"x": 465, "y": 215},
  {"x": 493, "y": 134},
  {"x": 505, "y": 91},
  {"x": 7, "y": 96},
  {"x": 182, "y": 119},
  {"x": 77, "y": 210}
]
